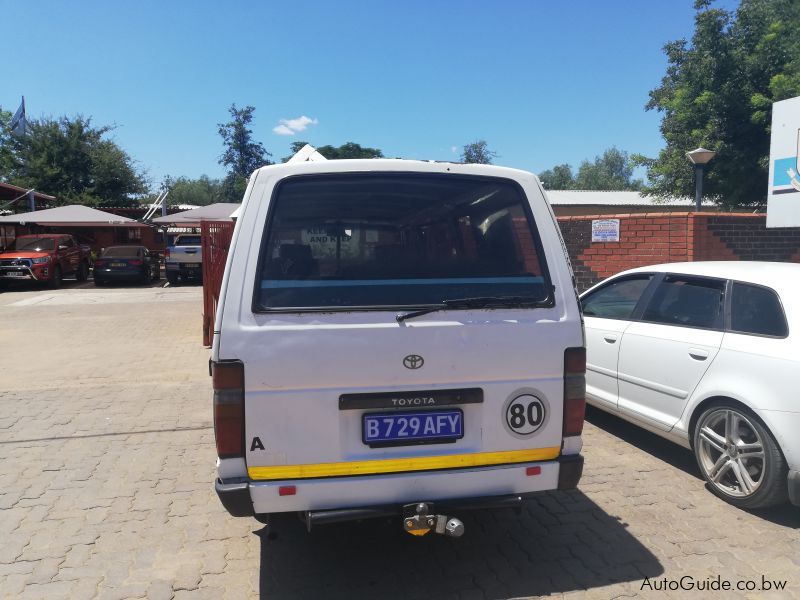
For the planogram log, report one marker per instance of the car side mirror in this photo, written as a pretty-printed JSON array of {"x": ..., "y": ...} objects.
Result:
[{"x": 62, "y": 247}]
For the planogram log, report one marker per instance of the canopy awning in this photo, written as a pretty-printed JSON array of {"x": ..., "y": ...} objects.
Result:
[
  {"x": 74, "y": 215},
  {"x": 213, "y": 212}
]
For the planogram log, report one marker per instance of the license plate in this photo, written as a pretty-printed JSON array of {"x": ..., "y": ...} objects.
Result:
[
  {"x": 401, "y": 428},
  {"x": 13, "y": 273},
  {"x": 190, "y": 266},
  {"x": 118, "y": 264}
]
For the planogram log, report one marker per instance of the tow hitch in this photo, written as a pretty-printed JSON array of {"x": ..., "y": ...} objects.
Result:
[{"x": 419, "y": 519}]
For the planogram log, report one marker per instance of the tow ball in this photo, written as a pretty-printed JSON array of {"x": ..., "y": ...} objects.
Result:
[{"x": 420, "y": 519}]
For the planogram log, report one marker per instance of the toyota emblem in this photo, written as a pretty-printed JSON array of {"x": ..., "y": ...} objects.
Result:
[{"x": 413, "y": 361}]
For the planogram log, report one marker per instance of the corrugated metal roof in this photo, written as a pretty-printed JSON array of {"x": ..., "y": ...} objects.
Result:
[
  {"x": 613, "y": 198},
  {"x": 220, "y": 210},
  {"x": 73, "y": 214},
  {"x": 9, "y": 192}
]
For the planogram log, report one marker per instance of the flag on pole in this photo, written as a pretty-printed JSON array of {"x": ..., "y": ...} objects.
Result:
[{"x": 18, "y": 122}]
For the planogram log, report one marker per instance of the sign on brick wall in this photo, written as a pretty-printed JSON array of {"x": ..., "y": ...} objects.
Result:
[
  {"x": 605, "y": 230},
  {"x": 783, "y": 193}
]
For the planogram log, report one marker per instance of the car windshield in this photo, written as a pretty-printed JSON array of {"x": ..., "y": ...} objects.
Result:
[
  {"x": 35, "y": 244},
  {"x": 122, "y": 252},
  {"x": 398, "y": 240}
]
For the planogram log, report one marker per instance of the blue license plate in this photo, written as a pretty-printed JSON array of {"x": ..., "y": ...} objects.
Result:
[{"x": 424, "y": 427}]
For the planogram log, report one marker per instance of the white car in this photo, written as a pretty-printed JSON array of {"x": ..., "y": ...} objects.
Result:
[
  {"x": 395, "y": 338},
  {"x": 706, "y": 354}
]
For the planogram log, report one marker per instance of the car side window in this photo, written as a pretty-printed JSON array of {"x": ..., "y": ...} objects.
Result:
[
  {"x": 617, "y": 300},
  {"x": 687, "y": 301},
  {"x": 757, "y": 310}
]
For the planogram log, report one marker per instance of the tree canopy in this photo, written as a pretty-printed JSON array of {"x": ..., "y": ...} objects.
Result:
[
  {"x": 242, "y": 155},
  {"x": 718, "y": 93},
  {"x": 478, "y": 153},
  {"x": 346, "y": 150},
  {"x": 612, "y": 170},
  {"x": 201, "y": 191},
  {"x": 70, "y": 159}
]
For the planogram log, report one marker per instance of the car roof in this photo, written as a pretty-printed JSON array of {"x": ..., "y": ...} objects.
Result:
[
  {"x": 393, "y": 165},
  {"x": 774, "y": 274}
]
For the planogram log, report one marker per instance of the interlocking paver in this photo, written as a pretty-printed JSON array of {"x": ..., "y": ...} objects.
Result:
[{"x": 108, "y": 455}]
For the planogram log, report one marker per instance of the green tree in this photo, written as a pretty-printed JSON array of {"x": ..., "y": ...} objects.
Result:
[
  {"x": 478, "y": 152},
  {"x": 346, "y": 150},
  {"x": 718, "y": 93},
  {"x": 6, "y": 151},
  {"x": 559, "y": 177},
  {"x": 200, "y": 192},
  {"x": 242, "y": 155},
  {"x": 613, "y": 170},
  {"x": 75, "y": 162}
]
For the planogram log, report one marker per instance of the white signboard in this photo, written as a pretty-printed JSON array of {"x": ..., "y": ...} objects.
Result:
[
  {"x": 783, "y": 192},
  {"x": 323, "y": 244},
  {"x": 605, "y": 230}
]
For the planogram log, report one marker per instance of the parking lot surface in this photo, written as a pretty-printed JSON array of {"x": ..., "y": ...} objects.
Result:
[{"x": 106, "y": 489}]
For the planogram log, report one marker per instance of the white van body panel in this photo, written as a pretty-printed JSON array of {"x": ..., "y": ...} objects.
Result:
[{"x": 297, "y": 365}]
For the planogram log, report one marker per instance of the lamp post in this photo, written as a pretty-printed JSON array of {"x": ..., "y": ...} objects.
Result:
[{"x": 699, "y": 159}]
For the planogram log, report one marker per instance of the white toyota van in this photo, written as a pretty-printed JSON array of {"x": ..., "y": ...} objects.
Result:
[{"x": 395, "y": 338}]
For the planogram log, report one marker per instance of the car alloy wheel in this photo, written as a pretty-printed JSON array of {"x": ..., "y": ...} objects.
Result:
[{"x": 730, "y": 450}]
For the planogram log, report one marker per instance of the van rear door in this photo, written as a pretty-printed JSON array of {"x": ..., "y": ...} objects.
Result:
[{"x": 337, "y": 384}]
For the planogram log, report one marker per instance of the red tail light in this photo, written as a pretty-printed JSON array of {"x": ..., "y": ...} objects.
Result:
[
  {"x": 166, "y": 253},
  {"x": 99, "y": 263},
  {"x": 135, "y": 262},
  {"x": 228, "y": 381},
  {"x": 574, "y": 390}
]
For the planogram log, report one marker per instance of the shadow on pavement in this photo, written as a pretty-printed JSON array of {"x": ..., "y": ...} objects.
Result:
[
  {"x": 663, "y": 449},
  {"x": 561, "y": 542},
  {"x": 680, "y": 458}
]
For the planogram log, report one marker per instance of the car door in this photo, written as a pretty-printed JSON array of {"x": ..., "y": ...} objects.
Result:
[
  {"x": 664, "y": 354},
  {"x": 607, "y": 311},
  {"x": 71, "y": 255}
]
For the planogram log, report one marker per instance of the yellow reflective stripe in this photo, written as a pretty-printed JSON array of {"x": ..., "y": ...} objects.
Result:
[{"x": 402, "y": 465}]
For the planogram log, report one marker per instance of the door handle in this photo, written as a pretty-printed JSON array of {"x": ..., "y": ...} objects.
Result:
[
  {"x": 610, "y": 338},
  {"x": 698, "y": 354}
]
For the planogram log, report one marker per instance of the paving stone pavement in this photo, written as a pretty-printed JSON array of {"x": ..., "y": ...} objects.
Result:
[{"x": 107, "y": 461}]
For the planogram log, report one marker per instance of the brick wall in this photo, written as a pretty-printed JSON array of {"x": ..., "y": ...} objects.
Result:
[{"x": 652, "y": 238}]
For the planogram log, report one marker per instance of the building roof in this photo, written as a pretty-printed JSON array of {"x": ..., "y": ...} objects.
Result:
[
  {"x": 614, "y": 198},
  {"x": 212, "y": 212},
  {"x": 74, "y": 214}
]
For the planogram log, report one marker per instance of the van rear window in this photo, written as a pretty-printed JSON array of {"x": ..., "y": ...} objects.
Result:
[{"x": 398, "y": 240}]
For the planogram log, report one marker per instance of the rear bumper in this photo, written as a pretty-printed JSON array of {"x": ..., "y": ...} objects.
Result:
[
  {"x": 118, "y": 274},
  {"x": 186, "y": 270},
  {"x": 363, "y": 496}
]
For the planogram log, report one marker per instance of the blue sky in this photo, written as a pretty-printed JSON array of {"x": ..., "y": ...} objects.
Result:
[{"x": 543, "y": 82}]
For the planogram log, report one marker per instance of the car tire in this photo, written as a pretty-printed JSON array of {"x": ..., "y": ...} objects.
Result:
[
  {"x": 172, "y": 278},
  {"x": 739, "y": 458},
  {"x": 55, "y": 282},
  {"x": 83, "y": 271}
]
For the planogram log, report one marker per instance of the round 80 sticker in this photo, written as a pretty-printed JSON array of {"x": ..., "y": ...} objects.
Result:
[{"x": 525, "y": 414}]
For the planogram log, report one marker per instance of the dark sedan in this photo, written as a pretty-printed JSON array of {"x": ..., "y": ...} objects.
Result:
[{"x": 126, "y": 263}]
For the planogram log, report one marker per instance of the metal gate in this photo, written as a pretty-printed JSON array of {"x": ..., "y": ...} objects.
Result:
[{"x": 215, "y": 241}]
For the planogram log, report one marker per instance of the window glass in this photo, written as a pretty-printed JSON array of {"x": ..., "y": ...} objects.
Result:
[
  {"x": 122, "y": 252},
  {"x": 35, "y": 244},
  {"x": 757, "y": 310},
  {"x": 187, "y": 240},
  {"x": 398, "y": 240},
  {"x": 693, "y": 302},
  {"x": 616, "y": 300}
]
